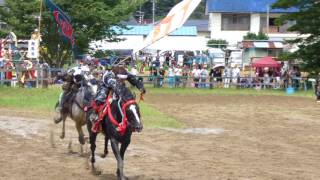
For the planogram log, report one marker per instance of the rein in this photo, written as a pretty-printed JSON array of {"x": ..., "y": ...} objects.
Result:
[{"x": 122, "y": 126}]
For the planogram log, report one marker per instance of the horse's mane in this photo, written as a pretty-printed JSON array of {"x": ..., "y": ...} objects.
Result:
[{"x": 126, "y": 93}]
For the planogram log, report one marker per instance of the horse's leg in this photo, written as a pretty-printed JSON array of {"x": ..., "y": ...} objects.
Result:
[
  {"x": 123, "y": 148},
  {"x": 105, "y": 152},
  {"x": 63, "y": 133},
  {"x": 80, "y": 132},
  {"x": 116, "y": 152},
  {"x": 93, "y": 138}
]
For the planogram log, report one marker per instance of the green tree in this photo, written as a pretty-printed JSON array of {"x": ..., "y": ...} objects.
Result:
[
  {"x": 254, "y": 36},
  {"x": 306, "y": 22},
  {"x": 217, "y": 43},
  {"x": 91, "y": 19}
]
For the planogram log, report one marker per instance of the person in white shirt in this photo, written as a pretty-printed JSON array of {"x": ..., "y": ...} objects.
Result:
[
  {"x": 203, "y": 76},
  {"x": 227, "y": 76},
  {"x": 171, "y": 76},
  {"x": 235, "y": 74},
  {"x": 134, "y": 70},
  {"x": 196, "y": 75}
]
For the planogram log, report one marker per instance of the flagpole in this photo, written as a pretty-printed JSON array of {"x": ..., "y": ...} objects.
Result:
[{"x": 40, "y": 16}]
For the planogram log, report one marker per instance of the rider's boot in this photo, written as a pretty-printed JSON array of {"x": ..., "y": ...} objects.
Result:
[
  {"x": 59, "y": 108},
  {"x": 95, "y": 114}
]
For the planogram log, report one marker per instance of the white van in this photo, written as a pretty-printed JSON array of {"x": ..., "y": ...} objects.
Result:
[
  {"x": 217, "y": 56},
  {"x": 236, "y": 58}
]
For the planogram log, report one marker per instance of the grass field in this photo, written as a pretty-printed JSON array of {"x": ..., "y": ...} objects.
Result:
[{"x": 44, "y": 100}]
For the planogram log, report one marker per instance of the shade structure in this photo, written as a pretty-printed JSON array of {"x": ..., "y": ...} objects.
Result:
[{"x": 266, "y": 62}]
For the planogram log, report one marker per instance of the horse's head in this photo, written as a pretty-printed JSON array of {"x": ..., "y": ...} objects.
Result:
[
  {"x": 131, "y": 109},
  {"x": 133, "y": 115}
]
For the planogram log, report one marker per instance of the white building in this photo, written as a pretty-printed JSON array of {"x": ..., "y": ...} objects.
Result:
[
  {"x": 233, "y": 19},
  {"x": 184, "y": 38}
]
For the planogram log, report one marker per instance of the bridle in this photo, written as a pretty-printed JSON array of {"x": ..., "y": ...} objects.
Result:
[{"x": 122, "y": 126}]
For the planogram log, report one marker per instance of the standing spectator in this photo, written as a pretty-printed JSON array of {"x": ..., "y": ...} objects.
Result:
[
  {"x": 8, "y": 75},
  {"x": 45, "y": 74},
  {"x": 196, "y": 75},
  {"x": 215, "y": 76},
  {"x": 185, "y": 74},
  {"x": 317, "y": 88},
  {"x": 177, "y": 73},
  {"x": 227, "y": 76},
  {"x": 162, "y": 73},
  {"x": 204, "y": 75},
  {"x": 155, "y": 74},
  {"x": 296, "y": 75},
  {"x": 1, "y": 73},
  {"x": 171, "y": 77},
  {"x": 236, "y": 75},
  {"x": 134, "y": 70},
  {"x": 266, "y": 78},
  {"x": 211, "y": 77},
  {"x": 143, "y": 65}
]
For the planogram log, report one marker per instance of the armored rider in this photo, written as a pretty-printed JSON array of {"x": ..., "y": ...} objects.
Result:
[
  {"x": 72, "y": 81},
  {"x": 114, "y": 81}
]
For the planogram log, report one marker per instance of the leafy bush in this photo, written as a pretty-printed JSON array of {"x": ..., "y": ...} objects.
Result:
[
  {"x": 254, "y": 36},
  {"x": 217, "y": 43}
]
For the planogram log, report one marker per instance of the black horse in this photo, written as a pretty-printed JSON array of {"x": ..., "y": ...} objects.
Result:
[{"x": 123, "y": 119}]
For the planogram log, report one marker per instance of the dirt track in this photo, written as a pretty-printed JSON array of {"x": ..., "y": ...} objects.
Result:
[{"x": 248, "y": 138}]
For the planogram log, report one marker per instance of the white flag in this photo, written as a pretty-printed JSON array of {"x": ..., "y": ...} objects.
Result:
[
  {"x": 177, "y": 16},
  {"x": 33, "y": 49}
]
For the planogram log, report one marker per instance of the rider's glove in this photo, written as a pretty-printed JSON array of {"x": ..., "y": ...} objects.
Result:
[{"x": 143, "y": 90}]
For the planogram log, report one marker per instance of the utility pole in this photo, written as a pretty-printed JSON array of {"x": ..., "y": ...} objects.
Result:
[
  {"x": 268, "y": 18},
  {"x": 153, "y": 10}
]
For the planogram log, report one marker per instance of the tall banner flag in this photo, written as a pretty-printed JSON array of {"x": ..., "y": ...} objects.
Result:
[
  {"x": 33, "y": 49},
  {"x": 63, "y": 21},
  {"x": 177, "y": 16}
]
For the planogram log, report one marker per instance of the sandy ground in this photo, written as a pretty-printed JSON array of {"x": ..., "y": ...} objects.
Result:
[{"x": 245, "y": 137}]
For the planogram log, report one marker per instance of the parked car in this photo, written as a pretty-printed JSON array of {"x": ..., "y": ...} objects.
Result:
[
  {"x": 236, "y": 58},
  {"x": 217, "y": 56}
]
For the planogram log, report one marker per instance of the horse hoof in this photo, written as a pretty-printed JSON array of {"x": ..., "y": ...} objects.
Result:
[
  {"x": 103, "y": 155},
  {"x": 57, "y": 120},
  {"x": 82, "y": 140},
  {"x": 96, "y": 172},
  {"x": 122, "y": 178},
  {"x": 62, "y": 136}
]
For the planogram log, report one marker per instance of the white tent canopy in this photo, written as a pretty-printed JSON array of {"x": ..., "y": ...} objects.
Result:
[{"x": 184, "y": 43}]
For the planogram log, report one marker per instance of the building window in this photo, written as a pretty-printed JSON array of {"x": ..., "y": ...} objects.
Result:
[
  {"x": 274, "y": 52},
  {"x": 235, "y": 22}
]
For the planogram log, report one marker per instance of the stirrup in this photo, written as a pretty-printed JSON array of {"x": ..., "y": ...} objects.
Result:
[{"x": 93, "y": 117}]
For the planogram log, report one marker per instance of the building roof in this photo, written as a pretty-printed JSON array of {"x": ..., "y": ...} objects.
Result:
[
  {"x": 262, "y": 44},
  {"x": 145, "y": 30},
  {"x": 201, "y": 24},
  {"x": 241, "y": 6}
]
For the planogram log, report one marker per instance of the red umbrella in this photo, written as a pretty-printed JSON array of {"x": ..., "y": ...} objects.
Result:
[{"x": 266, "y": 62}]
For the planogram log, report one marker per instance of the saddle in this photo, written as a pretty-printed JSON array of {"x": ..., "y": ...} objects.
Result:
[{"x": 102, "y": 113}]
